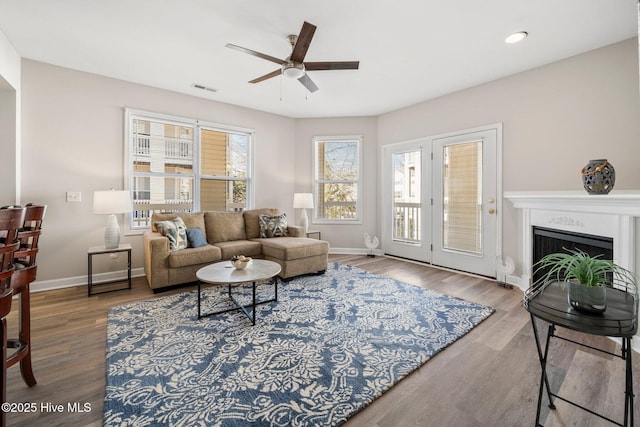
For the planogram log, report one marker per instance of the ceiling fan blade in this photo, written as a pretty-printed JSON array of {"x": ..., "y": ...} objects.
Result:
[
  {"x": 258, "y": 54},
  {"x": 303, "y": 42},
  {"x": 308, "y": 83},
  {"x": 266, "y": 76},
  {"x": 337, "y": 65}
]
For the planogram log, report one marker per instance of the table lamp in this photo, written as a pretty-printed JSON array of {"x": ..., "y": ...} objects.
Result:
[
  {"x": 303, "y": 201},
  {"x": 110, "y": 203}
]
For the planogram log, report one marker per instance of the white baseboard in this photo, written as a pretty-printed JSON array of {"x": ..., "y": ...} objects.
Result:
[
  {"x": 69, "y": 282},
  {"x": 355, "y": 251},
  {"x": 519, "y": 281}
]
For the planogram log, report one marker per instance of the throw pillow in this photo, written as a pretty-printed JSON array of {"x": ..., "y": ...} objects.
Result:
[
  {"x": 175, "y": 231},
  {"x": 195, "y": 237},
  {"x": 273, "y": 226}
]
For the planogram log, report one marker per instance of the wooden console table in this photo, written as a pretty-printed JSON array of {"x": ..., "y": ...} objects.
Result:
[{"x": 549, "y": 303}]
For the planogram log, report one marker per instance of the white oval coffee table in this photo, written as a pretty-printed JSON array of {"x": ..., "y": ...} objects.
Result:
[{"x": 222, "y": 273}]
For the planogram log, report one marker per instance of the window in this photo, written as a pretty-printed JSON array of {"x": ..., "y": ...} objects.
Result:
[
  {"x": 223, "y": 172},
  {"x": 182, "y": 165},
  {"x": 337, "y": 185}
]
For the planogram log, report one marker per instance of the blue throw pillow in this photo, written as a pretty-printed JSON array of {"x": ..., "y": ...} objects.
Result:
[{"x": 196, "y": 238}]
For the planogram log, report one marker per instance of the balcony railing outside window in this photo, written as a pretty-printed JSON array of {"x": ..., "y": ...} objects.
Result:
[
  {"x": 143, "y": 209},
  {"x": 176, "y": 150}
]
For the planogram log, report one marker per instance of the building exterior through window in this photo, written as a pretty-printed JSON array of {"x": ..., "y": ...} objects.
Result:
[{"x": 182, "y": 165}]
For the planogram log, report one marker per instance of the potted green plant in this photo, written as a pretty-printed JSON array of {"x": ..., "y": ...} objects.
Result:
[{"x": 586, "y": 277}]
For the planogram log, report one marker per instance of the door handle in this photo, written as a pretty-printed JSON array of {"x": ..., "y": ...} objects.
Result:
[{"x": 491, "y": 211}]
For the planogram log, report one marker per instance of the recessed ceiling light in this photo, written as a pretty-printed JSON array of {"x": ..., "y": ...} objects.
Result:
[{"x": 516, "y": 37}]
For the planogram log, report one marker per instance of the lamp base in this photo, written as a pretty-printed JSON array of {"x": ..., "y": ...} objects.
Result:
[
  {"x": 304, "y": 222},
  {"x": 112, "y": 233}
]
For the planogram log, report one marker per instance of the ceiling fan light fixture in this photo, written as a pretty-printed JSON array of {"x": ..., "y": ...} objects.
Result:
[
  {"x": 293, "y": 70},
  {"x": 516, "y": 37}
]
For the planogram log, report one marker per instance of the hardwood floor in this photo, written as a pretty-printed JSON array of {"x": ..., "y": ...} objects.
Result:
[{"x": 487, "y": 378}]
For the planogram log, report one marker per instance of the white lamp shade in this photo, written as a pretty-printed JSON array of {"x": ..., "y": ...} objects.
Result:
[
  {"x": 303, "y": 201},
  {"x": 111, "y": 202}
]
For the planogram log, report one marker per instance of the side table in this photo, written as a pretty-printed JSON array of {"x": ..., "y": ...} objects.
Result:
[
  {"x": 548, "y": 302},
  {"x": 101, "y": 250}
]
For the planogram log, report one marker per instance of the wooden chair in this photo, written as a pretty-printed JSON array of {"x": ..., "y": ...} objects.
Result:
[
  {"x": 25, "y": 273},
  {"x": 11, "y": 219},
  {"x": 5, "y": 307}
]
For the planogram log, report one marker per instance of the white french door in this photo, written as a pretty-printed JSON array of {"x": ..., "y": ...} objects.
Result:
[
  {"x": 442, "y": 200},
  {"x": 406, "y": 179}
]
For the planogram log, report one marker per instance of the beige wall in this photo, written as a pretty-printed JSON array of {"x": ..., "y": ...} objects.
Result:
[
  {"x": 340, "y": 236},
  {"x": 9, "y": 122},
  {"x": 555, "y": 118},
  {"x": 73, "y": 130}
]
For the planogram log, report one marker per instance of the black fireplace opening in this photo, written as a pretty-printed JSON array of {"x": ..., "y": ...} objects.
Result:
[{"x": 547, "y": 241}]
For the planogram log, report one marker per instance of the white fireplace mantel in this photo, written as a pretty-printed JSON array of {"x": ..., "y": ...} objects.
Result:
[
  {"x": 610, "y": 215},
  {"x": 618, "y": 202}
]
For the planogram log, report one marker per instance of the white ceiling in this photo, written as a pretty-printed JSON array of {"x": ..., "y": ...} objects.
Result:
[{"x": 409, "y": 50}]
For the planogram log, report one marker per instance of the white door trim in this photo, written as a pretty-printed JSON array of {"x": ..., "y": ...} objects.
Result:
[{"x": 385, "y": 183}]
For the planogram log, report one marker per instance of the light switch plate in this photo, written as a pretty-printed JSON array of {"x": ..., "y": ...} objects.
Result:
[{"x": 74, "y": 196}]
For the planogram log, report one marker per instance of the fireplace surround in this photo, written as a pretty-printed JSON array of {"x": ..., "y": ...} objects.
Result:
[
  {"x": 549, "y": 240},
  {"x": 611, "y": 216}
]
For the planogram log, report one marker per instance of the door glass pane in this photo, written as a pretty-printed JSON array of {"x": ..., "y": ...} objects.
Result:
[
  {"x": 462, "y": 197},
  {"x": 406, "y": 196}
]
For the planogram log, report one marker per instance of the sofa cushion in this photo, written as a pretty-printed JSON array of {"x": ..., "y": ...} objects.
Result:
[
  {"x": 251, "y": 222},
  {"x": 240, "y": 247},
  {"x": 192, "y": 256},
  {"x": 273, "y": 225},
  {"x": 174, "y": 230},
  {"x": 191, "y": 220},
  {"x": 290, "y": 248},
  {"x": 195, "y": 237},
  {"x": 224, "y": 226}
]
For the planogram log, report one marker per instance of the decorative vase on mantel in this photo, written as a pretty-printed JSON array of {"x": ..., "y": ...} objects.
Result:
[
  {"x": 588, "y": 299},
  {"x": 598, "y": 176}
]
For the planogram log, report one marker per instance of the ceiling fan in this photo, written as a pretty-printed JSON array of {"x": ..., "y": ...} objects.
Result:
[{"x": 294, "y": 66}]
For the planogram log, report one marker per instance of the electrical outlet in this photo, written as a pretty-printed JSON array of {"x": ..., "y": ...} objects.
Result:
[{"x": 74, "y": 196}]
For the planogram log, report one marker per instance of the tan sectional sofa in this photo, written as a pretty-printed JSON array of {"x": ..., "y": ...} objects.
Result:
[{"x": 228, "y": 234}]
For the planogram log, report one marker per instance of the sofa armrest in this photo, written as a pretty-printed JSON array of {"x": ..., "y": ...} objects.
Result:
[
  {"x": 156, "y": 259},
  {"x": 296, "y": 231}
]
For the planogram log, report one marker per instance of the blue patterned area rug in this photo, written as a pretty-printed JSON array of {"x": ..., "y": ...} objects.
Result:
[{"x": 330, "y": 346}]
